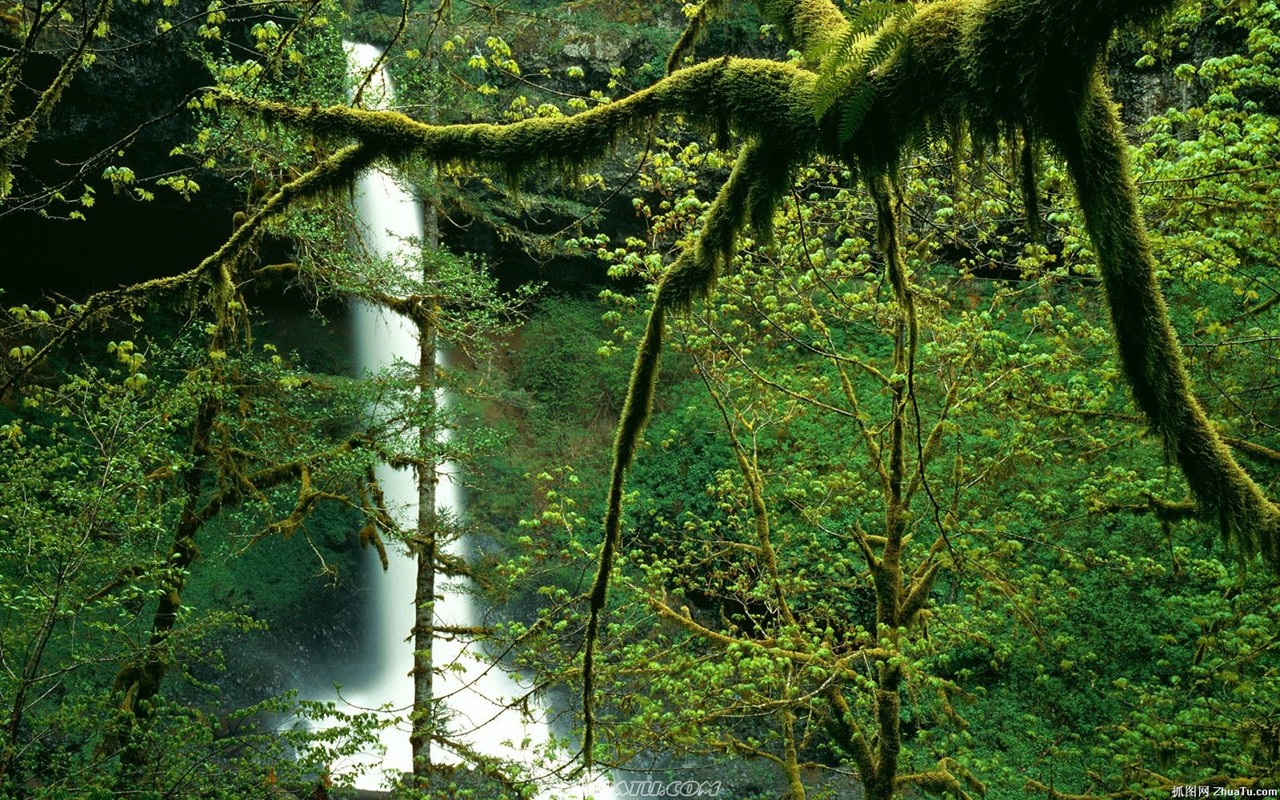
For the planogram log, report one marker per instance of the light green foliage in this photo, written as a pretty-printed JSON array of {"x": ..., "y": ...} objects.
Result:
[
  {"x": 92, "y": 493},
  {"x": 1058, "y": 619},
  {"x": 996, "y": 65},
  {"x": 895, "y": 504},
  {"x": 1208, "y": 177}
]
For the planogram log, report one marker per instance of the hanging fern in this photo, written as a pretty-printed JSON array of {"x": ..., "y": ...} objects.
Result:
[{"x": 870, "y": 40}]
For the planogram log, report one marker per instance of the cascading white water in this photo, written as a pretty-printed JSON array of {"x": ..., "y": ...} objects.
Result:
[{"x": 475, "y": 692}]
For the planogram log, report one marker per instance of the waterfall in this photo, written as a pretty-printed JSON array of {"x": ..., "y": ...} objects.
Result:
[{"x": 474, "y": 691}]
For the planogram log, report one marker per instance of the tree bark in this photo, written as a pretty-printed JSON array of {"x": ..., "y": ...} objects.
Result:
[{"x": 424, "y": 717}]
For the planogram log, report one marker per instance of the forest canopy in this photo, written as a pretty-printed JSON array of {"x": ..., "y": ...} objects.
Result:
[{"x": 907, "y": 512}]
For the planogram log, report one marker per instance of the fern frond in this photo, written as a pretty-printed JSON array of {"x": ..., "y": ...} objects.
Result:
[
  {"x": 872, "y": 38},
  {"x": 864, "y": 24},
  {"x": 885, "y": 46},
  {"x": 856, "y": 107}
]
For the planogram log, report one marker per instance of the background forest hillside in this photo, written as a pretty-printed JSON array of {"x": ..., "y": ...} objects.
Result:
[{"x": 191, "y": 513}]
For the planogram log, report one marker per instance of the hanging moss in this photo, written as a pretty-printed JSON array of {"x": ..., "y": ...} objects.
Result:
[
  {"x": 1094, "y": 150},
  {"x": 984, "y": 66}
]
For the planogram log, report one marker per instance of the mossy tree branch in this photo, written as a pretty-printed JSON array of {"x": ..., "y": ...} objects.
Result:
[
  {"x": 989, "y": 66},
  {"x": 332, "y": 173},
  {"x": 758, "y": 98},
  {"x": 20, "y": 133},
  {"x": 1094, "y": 149}
]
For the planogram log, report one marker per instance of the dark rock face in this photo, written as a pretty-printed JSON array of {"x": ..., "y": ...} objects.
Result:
[
  {"x": 120, "y": 243},
  {"x": 1146, "y": 92},
  {"x": 132, "y": 99}
]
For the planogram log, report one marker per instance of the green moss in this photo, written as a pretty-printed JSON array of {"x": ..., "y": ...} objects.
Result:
[
  {"x": 758, "y": 97},
  {"x": 988, "y": 66}
]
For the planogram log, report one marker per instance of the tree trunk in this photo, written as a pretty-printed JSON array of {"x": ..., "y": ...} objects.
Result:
[{"x": 423, "y": 716}]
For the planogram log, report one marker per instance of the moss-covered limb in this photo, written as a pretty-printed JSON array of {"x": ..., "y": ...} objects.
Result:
[
  {"x": 990, "y": 63},
  {"x": 332, "y": 173},
  {"x": 918, "y": 595},
  {"x": 887, "y": 226},
  {"x": 28, "y": 678},
  {"x": 705, "y": 12},
  {"x": 1094, "y": 149},
  {"x": 750, "y": 471},
  {"x": 929, "y": 448},
  {"x": 1051, "y": 793},
  {"x": 1028, "y": 173},
  {"x": 1253, "y": 449},
  {"x": 942, "y": 780},
  {"x": 853, "y": 413},
  {"x": 1163, "y": 510},
  {"x": 635, "y": 413},
  {"x": 492, "y": 768},
  {"x": 866, "y": 543},
  {"x": 848, "y": 666},
  {"x": 790, "y": 758},
  {"x": 760, "y": 177},
  {"x": 758, "y": 97},
  {"x": 14, "y": 143},
  {"x": 888, "y": 714},
  {"x": 138, "y": 681},
  {"x": 809, "y": 24},
  {"x": 847, "y": 734},
  {"x": 887, "y": 574},
  {"x": 748, "y": 749}
]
